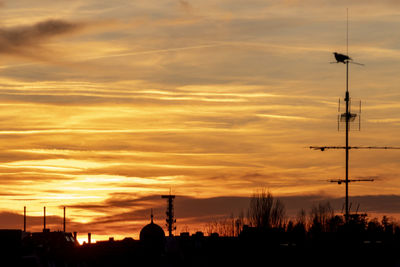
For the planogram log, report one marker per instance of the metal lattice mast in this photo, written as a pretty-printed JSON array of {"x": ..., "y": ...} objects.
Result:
[{"x": 170, "y": 213}]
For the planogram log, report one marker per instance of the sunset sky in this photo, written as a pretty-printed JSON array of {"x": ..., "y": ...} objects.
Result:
[{"x": 106, "y": 105}]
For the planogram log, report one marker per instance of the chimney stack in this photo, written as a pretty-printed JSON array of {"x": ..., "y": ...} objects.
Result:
[{"x": 89, "y": 238}]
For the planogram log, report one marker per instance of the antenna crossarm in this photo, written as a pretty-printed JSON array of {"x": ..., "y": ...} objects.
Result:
[
  {"x": 339, "y": 181},
  {"x": 322, "y": 148}
]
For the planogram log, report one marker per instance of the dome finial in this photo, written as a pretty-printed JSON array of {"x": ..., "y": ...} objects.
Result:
[{"x": 152, "y": 216}]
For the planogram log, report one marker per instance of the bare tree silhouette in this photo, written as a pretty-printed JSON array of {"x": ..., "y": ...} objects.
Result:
[
  {"x": 266, "y": 212},
  {"x": 239, "y": 223},
  {"x": 320, "y": 216}
]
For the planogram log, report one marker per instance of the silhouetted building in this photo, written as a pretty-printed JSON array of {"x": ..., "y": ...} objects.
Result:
[
  {"x": 152, "y": 236},
  {"x": 49, "y": 249}
]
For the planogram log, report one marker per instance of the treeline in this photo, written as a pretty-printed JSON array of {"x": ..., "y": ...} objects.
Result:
[{"x": 268, "y": 213}]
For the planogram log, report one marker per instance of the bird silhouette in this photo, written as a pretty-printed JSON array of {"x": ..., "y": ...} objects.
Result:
[{"x": 341, "y": 58}]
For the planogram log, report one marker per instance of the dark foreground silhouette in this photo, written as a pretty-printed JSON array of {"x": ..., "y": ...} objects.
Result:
[
  {"x": 328, "y": 243},
  {"x": 321, "y": 239}
]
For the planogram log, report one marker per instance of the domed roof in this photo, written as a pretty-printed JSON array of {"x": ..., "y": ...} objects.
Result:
[{"x": 152, "y": 232}]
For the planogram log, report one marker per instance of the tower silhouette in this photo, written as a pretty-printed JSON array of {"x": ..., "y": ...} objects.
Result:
[{"x": 170, "y": 213}]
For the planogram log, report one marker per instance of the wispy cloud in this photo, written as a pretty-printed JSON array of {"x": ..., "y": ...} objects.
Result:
[
  {"x": 283, "y": 117},
  {"x": 157, "y": 51}
]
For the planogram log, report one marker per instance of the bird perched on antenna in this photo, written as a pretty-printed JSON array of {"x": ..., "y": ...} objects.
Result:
[{"x": 341, "y": 58}]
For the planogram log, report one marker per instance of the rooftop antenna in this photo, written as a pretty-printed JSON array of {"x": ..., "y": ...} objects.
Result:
[
  {"x": 348, "y": 117},
  {"x": 44, "y": 219},
  {"x": 24, "y": 218},
  {"x": 64, "y": 221},
  {"x": 347, "y": 31},
  {"x": 170, "y": 213}
]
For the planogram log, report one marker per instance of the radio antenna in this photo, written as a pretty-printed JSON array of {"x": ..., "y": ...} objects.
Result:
[
  {"x": 347, "y": 32},
  {"x": 348, "y": 117}
]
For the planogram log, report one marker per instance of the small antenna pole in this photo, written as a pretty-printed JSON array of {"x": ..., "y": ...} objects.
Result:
[
  {"x": 347, "y": 99},
  {"x": 347, "y": 33},
  {"x": 44, "y": 219},
  {"x": 64, "y": 221},
  {"x": 24, "y": 218}
]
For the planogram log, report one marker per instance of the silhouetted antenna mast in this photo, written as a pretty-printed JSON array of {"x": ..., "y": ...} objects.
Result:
[
  {"x": 347, "y": 32},
  {"x": 170, "y": 213},
  {"x": 44, "y": 219},
  {"x": 24, "y": 218},
  {"x": 348, "y": 117},
  {"x": 64, "y": 221}
]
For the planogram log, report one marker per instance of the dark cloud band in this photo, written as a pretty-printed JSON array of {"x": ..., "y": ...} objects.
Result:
[{"x": 25, "y": 40}]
